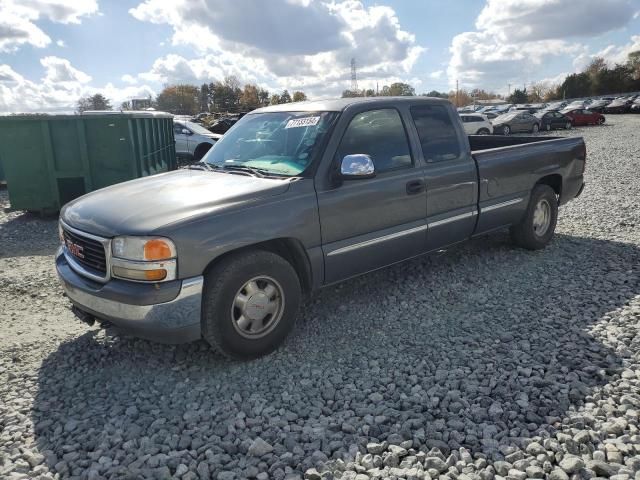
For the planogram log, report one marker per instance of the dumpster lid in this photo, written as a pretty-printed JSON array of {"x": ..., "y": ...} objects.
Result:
[{"x": 129, "y": 113}]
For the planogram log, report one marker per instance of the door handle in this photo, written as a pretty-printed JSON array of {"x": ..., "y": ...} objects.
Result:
[{"x": 415, "y": 186}]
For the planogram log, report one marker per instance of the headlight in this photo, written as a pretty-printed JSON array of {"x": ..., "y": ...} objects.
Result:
[
  {"x": 143, "y": 259},
  {"x": 143, "y": 248}
]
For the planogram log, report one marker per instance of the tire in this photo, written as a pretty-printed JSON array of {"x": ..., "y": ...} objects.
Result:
[
  {"x": 483, "y": 131},
  {"x": 506, "y": 130},
  {"x": 200, "y": 151},
  {"x": 525, "y": 234},
  {"x": 601, "y": 121},
  {"x": 535, "y": 128},
  {"x": 224, "y": 324},
  {"x": 568, "y": 126}
]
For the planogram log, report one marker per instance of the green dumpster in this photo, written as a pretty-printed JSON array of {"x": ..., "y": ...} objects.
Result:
[{"x": 50, "y": 160}]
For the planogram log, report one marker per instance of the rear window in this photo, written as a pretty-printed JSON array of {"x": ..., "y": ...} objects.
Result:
[{"x": 438, "y": 136}]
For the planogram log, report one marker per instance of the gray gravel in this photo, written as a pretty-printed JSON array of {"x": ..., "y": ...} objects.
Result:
[{"x": 486, "y": 362}]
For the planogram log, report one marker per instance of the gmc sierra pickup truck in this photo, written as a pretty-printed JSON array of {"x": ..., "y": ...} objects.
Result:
[{"x": 295, "y": 197}]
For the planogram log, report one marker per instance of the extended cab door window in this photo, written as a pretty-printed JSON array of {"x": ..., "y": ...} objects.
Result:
[
  {"x": 450, "y": 176},
  {"x": 379, "y": 134},
  {"x": 372, "y": 222}
]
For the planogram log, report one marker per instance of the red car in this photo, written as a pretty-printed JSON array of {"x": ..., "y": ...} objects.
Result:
[{"x": 580, "y": 116}]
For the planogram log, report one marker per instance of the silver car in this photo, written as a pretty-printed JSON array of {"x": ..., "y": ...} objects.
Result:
[
  {"x": 192, "y": 140},
  {"x": 516, "y": 121}
]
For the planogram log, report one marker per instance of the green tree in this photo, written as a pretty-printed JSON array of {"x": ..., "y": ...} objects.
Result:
[
  {"x": 519, "y": 96},
  {"x": 93, "y": 102},
  {"x": 179, "y": 99},
  {"x": 436, "y": 94},
  {"x": 263, "y": 96},
  {"x": 299, "y": 96},
  {"x": 576, "y": 85},
  {"x": 398, "y": 89},
  {"x": 285, "y": 97}
]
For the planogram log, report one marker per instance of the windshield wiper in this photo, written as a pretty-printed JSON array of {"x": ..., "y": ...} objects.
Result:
[
  {"x": 201, "y": 166},
  {"x": 256, "y": 172}
]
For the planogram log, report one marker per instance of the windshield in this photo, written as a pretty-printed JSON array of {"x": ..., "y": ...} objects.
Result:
[
  {"x": 279, "y": 143},
  {"x": 195, "y": 128}
]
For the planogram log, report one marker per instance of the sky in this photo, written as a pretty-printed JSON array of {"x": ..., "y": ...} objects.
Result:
[{"x": 52, "y": 52}]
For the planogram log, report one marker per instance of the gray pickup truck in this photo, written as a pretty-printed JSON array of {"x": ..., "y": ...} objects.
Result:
[{"x": 296, "y": 197}]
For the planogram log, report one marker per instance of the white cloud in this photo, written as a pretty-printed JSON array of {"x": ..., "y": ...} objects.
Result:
[
  {"x": 301, "y": 44},
  {"x": 619, "y": 54},
  {"x": 61, "y": 43},
  {"x": 436, "y": 75},
  {"x": 18, "y": 20},
  {"x": 514, "y": 38},
  {"x": 58, "y": 90}
]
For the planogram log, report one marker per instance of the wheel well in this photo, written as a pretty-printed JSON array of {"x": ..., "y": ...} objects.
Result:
[
  {"x": 288, "y": 248},
  {"x": 201, "y": 149},
  {"x": 554, "y": 181}
]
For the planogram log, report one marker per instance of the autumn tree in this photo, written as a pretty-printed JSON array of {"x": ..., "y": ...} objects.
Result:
[
  {"x": 537, "y": 92},
  {"x": 93, "y": 102},
  {"x": 179, "y": 99},
  {"x": 275, "y": 99},
  {"x": 299, "y": 96},
  {"x": 249, "y": 97}
]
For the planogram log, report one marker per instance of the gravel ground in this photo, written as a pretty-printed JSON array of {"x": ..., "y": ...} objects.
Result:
[{"x": 486, "y": 362}]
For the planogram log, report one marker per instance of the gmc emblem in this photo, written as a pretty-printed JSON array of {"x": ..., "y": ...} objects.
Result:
[{"x": 75, "y": 249}]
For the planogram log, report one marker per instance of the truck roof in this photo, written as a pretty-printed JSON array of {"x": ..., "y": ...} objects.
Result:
[{"x": 339, "y": 104}]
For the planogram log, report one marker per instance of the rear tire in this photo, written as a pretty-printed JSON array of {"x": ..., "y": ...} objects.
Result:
[
  {"x": 536, "y": 229},
  {"x": 506, "y": 130},
  {"x": 237, "y": 293}
]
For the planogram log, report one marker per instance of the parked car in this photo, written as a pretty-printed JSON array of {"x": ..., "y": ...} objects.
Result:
[
  {"x": 552, "y": 120},
  {"x": 225, "y": 249},
  {"x": 635, "y": 107},
  {"x": 598, "y": 105},
  {"x": 223, "y": 125},
  {"x": 516, "y": 121},
  {"x": 556, "y": 106},
  {"x": 619, "y": 105},
  {"x": 476, "y": 124},
  {"x": 192, "y": 140},
  {"x": 492, "y": 114},
  {"x": 581, "y": 116}
]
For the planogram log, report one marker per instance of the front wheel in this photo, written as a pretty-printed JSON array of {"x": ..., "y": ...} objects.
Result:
[
  {"x": 536, "y": 128},
  {"x": 537, "y": 227},
  {"x": 506, "y": 130},
  {"x": 600, "y": 120},
  {"x": 250, "y": 304}
]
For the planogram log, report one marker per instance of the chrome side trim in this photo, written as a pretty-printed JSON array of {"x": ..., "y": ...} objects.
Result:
[
  {"x": 77, "y": 267},
  {"x": 183, "y": 310},
  {"x": 374, "y": 241},
  {"x": 455, "y": 218},
  {"x": 501, "y": 205}
]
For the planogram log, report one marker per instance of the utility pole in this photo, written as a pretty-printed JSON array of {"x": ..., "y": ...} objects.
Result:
[
  {"x": 457, "y": 104},
  {"x": 354, "y": 76}
]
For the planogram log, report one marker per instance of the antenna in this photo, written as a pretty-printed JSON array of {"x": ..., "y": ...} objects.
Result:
[{"x": 354, "y": 76}]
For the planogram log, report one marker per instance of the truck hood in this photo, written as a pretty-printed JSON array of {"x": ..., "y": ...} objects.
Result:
[{"x": 142, "y": 206}]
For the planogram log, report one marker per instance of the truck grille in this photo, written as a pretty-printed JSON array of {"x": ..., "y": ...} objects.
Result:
[{"x": 86, "y": 251}]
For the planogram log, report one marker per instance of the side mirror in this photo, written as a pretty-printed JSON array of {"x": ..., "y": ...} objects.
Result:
[
  {"x": 357, "y": 166},
  {"x": 186, "y": 131}
]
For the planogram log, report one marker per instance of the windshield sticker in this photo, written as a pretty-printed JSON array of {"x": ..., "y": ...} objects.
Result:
[{"x": 302, "y": 122}]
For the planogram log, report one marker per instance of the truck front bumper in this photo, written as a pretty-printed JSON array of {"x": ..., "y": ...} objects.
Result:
[{"x": 166, "y": 312}]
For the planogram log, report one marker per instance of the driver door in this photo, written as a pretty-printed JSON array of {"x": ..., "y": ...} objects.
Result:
[{"x": 373, "y": 222}]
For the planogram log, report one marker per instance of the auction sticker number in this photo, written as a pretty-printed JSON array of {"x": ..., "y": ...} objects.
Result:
[{"x": 302, "y": 122}]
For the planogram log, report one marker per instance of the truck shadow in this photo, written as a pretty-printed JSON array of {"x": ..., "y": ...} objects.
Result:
[{"x": 479, "y": 347}]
